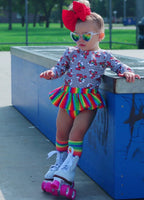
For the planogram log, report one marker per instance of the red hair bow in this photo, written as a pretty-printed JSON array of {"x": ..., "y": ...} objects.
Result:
[{"x": 70, "y": 17}]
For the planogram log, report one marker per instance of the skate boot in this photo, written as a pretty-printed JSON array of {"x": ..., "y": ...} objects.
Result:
[
  {"x": 68, "y": 168},
  {"x": 63, "y": 183},
  {"x": 48, "y": 177}
]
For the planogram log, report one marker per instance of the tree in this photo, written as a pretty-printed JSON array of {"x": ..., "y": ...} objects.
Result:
[
  {"x": 61, "y": 2},
  {"x": 102, "y": 7},
  {"x": 7, "y": 5},
  {"x": 47, "y": 6},
  {"x": 10, "y": 14},
  {"x": 35, "y": 8},
  {"x": 19, "y": 7}
]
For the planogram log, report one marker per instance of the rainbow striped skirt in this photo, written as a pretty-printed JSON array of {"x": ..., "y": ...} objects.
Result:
[{"x": 76, "y": 99}]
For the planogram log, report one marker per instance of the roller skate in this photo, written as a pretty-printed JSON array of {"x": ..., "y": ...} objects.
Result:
[
  {"x": 59, "y": 187},
  {"x": 63, "y": 183},
  {"x": 49, "y": 176}
]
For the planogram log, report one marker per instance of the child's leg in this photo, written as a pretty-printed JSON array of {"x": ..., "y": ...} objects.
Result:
[
  {"x": 64, "y": 124},
  {"x": 80, "y": 125}
]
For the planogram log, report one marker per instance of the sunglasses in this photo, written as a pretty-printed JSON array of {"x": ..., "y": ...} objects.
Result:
[{"x": 86, "y": 36}]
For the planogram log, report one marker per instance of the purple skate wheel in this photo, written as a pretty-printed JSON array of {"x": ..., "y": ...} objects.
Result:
[
  {"x": 48, "y": 187},
  {"x": 43, "y": 186},
  {"x": 55, "y": 187},
  {"x": 55, "y": 184},
  {"x": 68, "y": 192},
  {"x": 71, "y": 193},
  {"x": 63, "y": 190}
]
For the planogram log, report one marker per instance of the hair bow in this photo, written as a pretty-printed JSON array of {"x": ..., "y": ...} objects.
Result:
[{"x": 70, "y": 17}]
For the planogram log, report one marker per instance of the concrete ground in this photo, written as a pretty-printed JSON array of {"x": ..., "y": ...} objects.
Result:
[{"x": 23, "y": 150}]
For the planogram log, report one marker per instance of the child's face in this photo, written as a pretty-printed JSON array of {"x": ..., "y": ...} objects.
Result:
[{"x": 93, "y": 43}]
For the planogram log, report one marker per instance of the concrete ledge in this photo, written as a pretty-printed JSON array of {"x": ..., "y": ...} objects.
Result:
[{"x": 44, "y": 56}]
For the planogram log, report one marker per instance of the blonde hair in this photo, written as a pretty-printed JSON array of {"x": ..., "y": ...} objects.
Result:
[
  {"x": 86, "y": 2},
  {"x": 94, "y": 17},
  {"x": 97, "y": 20}
]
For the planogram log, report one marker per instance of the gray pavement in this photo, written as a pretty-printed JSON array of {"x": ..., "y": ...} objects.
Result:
[{"x": 23, "y": 151}]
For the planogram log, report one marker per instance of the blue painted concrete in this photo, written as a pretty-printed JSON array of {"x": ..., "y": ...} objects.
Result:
[{"x": 114, "y": 146}]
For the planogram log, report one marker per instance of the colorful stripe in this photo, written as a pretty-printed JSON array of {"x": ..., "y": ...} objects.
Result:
[
  {"x": 77, "y": 146},
  {"x": 76, "y": 99},
  {"x": 73, "y": 113},
  {"x": 61, "y": 145},
  {"x": 78, "y": 90}
]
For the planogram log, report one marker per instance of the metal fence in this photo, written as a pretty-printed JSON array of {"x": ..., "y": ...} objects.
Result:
[{"x": 26, "y": 42}]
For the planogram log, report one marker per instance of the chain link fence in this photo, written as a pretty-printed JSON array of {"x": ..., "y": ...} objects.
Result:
[{"x": 37, "y": 34}]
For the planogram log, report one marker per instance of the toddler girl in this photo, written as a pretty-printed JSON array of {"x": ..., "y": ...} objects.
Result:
[{"x": 79, "y": 98}]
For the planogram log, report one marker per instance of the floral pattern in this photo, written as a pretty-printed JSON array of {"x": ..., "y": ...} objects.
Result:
[{"x": 84, "y": 69}]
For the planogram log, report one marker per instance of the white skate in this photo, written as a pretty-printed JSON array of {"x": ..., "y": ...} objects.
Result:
[
  {"x": 61, "y": 156},
  {"x": 67, "y": 170},
  {"x": 63, "y": 183}
]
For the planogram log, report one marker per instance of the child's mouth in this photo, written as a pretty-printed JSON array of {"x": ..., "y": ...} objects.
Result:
[{"x": 81, "y": 45}]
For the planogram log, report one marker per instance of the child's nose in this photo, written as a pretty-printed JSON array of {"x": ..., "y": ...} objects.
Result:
[{"x": 81, "y": 38}]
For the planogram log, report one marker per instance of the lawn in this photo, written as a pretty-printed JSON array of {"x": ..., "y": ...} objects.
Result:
[{"x": 54, "y": 34}]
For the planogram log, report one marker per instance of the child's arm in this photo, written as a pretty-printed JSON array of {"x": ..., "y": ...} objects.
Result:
[
  {"x": 58, "y": 70},
  {"x": 130, "y": 76},
  {"x": 121, "y": 69}
]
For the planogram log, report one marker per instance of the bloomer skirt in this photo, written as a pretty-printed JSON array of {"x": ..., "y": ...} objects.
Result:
[{"x": 75, "y": 100}]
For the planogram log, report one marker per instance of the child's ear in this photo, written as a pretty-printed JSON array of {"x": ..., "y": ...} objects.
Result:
[{"x": 101, "y": 36}]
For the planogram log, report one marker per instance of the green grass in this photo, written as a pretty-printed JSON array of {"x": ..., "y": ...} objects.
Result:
[{"x": 55, "y": 34}]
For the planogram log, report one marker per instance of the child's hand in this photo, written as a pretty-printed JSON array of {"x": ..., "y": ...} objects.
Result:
[
  {"x": 47, "y": 74},
  {"x": 130, "y": 76}
]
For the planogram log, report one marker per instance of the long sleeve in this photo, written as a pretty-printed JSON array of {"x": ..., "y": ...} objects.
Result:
[
  {"x": 62, "y": 65},
  {"x": 115, "y": 65}
]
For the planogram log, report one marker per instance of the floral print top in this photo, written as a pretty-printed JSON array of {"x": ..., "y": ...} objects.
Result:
[{"x": 84, "y": 69}]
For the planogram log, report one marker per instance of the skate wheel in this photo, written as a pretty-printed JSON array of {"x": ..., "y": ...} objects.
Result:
[
  {"x": 55, "y": 184},
  {"x": 63, "y": 190},
  {"x": 68, "y": 192},
  {"x": 54, "y": 188},
  {"x": 43, "y": 186},
  {"x": 72, "y": 194},
  {"x": 48, "y": 187}
]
